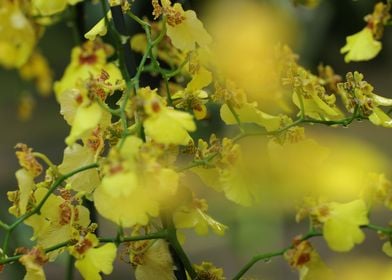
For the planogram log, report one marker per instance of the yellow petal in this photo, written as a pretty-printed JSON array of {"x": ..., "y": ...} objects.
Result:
[
  {"x": 86, "y": 119},
  {"x": 249, "y": 113},
  {"x": 156, "y": 263},
  {"x": 47, "y": 8},
  {"x": 378, "y": 117},
  {"x": 189, "y": 32},
  {"x": 342, "y": 229},
  {"x": 97, "y": 260},
  {"x": 176, "y": 122},
  {"x": 361, "y": 46},
  {"x": 99, "y": 29},
  {"x": 200, "y": 80},
  {"x": 18, "y": 37},
  {"x": 121, "y": 200},
  {"x": 77, "y": 156},
  {"x": 26, "y": 185},
  {"x": 387, "y": 249}
]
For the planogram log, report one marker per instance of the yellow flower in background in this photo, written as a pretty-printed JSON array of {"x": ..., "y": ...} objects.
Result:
[
  {"x": 307, "y": 3},
  {"x": 92, "y": 260},
  {"x": 361, "y": 46},
  {"x": 33, "y": 261},
  {"x": 249, "y": 113},
  {"x": 17, "y": 36},
  {"x": 48, "y": 8},
  {"x": 228, "y": 172},
  {"x": 307, "y": 261},
  {"x": 77, "y": 156},
  {"x": 38, "y": 70},
  {"x": 341, "y": 228},
  {"x": 152, "y": 260},
  {"x": 206, "y": 270},
  {"x": 195, "y": 216},
  {"x": 161, "y": 119}
]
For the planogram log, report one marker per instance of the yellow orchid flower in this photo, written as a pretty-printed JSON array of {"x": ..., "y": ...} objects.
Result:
[
  {"x": 91, "y": 260},
  {"x": 361, "y": 46},
  {"x": 152, "y": 260},
  {"x": 227, "y": 172},
  {"x": 17, "y": 37},
  {"x": 99, "y": 29},
  {"x": 33, "y": 261},
  {"x": 342, "y": 225},
  {"x": 58, "y": 220},
  {"x": 249, "y": 113},
  {"x": 194, "y": 216},
  {"x": 183, "y": 27},
  {"x": 48, "y": 8},
  {"x": 206, "y": 270},
  {"x": 135, "y": 186},
  {"x": 21, "y": 197},
  {"x": 38, "y": 70},
  {"x": 307, "y": 261},
  {"x": 161, "y": 119},
  {"x": 76, "y": 156}
]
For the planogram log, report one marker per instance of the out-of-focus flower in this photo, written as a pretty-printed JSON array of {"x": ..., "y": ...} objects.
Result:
[
  {"x": 152, "y": 260},
  {"x": 206, "y": 270},
  {"x": 38, "y": 70},
  {"x": 26, "y": 104},
  {"x": 195, "y": 216},
  {"x": 17, "y": 37},
  {"x": 341, "y": 222},
  {"x": 48, "y": 8},
  {"x": 307, "y": 261}
]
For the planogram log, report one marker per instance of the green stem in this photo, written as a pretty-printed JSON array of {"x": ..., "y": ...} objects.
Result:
[
  {"x": 54, "y": 186},
  {"x": 156, "y": 235},
  {"x": 46, "y": 160},
  {"x": 37, "y": 208},
  {"x": 381, "y": 229},
  {"x": 268, "y": 256},
  {"x": 176, "y": 246},
  {"x": 70, "y": 267},
  {"x": 4, "y": 225}
]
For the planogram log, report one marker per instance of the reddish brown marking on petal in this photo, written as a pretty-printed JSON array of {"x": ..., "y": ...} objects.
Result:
[
  {"x": 87, "y": 59},
  {"x": 155, "y": 106}
]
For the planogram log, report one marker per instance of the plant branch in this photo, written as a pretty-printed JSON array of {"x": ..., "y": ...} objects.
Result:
[{"x": 156, "y": 235}]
